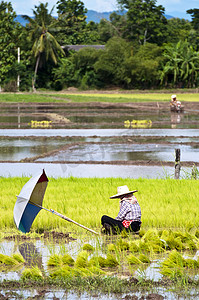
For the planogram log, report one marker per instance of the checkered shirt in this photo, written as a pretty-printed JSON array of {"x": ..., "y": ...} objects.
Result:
[{"x": 129, "y": 212}]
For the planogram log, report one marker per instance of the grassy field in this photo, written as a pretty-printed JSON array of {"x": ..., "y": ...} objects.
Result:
[
  {"x": 94, "y": 97},
  {"x": 165, "y": 203}
]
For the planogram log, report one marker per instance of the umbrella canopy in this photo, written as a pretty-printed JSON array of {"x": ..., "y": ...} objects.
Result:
[{"x": 31, "y": 195}]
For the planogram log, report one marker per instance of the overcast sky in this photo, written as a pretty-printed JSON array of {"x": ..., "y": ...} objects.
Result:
[{"x": 25, "y": 7}]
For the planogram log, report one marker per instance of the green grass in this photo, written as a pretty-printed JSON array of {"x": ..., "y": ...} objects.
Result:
[
  {"x": 95, "y": 97},
  {"x": 165, "y": 203}
]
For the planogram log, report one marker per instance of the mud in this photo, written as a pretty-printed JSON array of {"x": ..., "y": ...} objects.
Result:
[{"x": 50, "y": 235}]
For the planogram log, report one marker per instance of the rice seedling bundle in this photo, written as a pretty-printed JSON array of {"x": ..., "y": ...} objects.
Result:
[
  {"x": 54, "y": 260},
  {"x": 123, "y": 245},
  {"x": 133, "y": 260},
  {"x": 111, "y": 261},
  {"x": 67, "y": 260},
  {"x": 33, "y": 273},
  {"x": 143, "y": 258},
  {"x": 62, "y": 272},
  {"x": 88, "y": 247},
  {"x": 111, "y": 247},
  {"x": 176, "y": 266}
]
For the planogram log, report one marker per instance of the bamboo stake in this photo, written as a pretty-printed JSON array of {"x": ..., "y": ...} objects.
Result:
[{"x": 177, "y": 164}]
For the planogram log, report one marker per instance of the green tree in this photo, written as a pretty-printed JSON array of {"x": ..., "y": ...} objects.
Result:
[
  {"x": 111, "y": 63},
  {"x": 178, "y": 29},
  {"x": 145, "y": 21},
  {"x": 71, "y": 21},
  {"x": 84, "y": 63},
  {"x": 194, "y": 34},
  {"x": 195, "y": 17},
  {"x": 45, "y": 46},
  {"x": 143, "y": 67},
  {"x": 114, "y": 27},
  {"x": 8, "y": 41}
]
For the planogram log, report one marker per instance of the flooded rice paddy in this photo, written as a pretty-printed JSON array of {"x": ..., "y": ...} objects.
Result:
[
  {"x": 38, "y": 252},
  {"x": 92, "y": 140},
  {"x": 97, "y": 139}
]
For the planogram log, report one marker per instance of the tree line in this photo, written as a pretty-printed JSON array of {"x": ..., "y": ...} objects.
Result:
[{"x": 143, "y": 49}]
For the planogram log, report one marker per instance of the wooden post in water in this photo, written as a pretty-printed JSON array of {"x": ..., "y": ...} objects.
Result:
[{"x": 177, "y": 164}]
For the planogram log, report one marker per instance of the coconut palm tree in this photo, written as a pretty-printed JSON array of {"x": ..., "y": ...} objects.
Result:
[{"x": 45, "y": 46}]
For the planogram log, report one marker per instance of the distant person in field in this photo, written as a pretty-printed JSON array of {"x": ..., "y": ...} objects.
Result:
[
  {"x": 175, "y": 103},
  {"x": 129, "y": 216}
]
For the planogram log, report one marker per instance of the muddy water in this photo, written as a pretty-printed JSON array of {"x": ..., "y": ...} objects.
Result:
[
  {"x": 96, "y": 139},
  {"x": 38, "y": 252},
  {"x": 96, "y": 115}
]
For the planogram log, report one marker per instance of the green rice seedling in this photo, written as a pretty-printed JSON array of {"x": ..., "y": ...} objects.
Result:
[
  {"x": 18, "y": 257},
  {"x": 143, "y": 258},
  {"x": 98, "y": 261},
  {"x": 8, "y": 260},
  {"x": 144, "y": 246},
  {"x": 94, "y": 261},
  {"x": 197, "y": 234},
  {"x": 165, "y": 234},
  {"x": 191, "y": 263},
  {"x": 96, "y": 270},
  {"x": 142, "y": 232},
  {"x": 54, "y": 260},
  {"x": 33, "y": 273},
  {"x": 174, "y": 259},
  {"x": 132, "y": 260},
  {"x": 1, "y": 258},
  {"x": 83, "y": 254},
  {"x": 67, "y": 260},
  {"x": 81, "y": 260},
  {"x": 190, "y": 245},
  {"x": 185, "y": 237},
  {"x": 88, "y": 247},
  {"x": 175, "y": 243},
  {"x": 152, "y": 240},
  {"x": 85, "y": 272},
  {"x": 123, "y": 245},
  {"x": 63, "y": 272},
  {"x": 158, "y": 199},
  {"x": 133, "y": 247},
  {"x": 111, "y": 247},
  {"x": 172, "y": 273},
  {"x": 150, "y": 235},
  {"x": 111, "y": 261},
  {"x": 173, "y": 266}
]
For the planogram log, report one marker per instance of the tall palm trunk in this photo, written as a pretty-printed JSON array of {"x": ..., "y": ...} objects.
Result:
[{"x": 35, "y": 74}]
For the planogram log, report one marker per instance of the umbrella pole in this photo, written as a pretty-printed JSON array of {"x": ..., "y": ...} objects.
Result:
[{"x": 65, "y": 218}]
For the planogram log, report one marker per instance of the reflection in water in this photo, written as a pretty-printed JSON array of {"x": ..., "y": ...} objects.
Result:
[
  {"x": 175, "y": 119},
  {"x": 31, "y": 255}
]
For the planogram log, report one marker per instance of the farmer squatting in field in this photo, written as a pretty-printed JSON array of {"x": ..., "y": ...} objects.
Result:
[{"x": 129, "y": 216}]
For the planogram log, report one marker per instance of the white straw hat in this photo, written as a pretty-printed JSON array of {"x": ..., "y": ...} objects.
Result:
[
  {"x": 121, "y": 191},
  {"x": 173, "y": 96}
]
